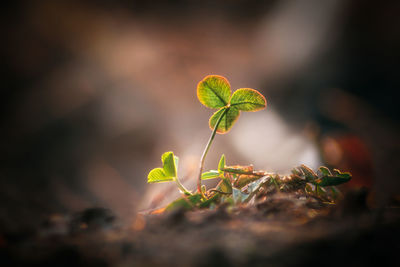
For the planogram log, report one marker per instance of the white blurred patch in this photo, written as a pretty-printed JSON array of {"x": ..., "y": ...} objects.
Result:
[{"x": 267, "y": 142}]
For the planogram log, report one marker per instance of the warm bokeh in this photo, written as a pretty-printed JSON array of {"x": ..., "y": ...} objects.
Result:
[{"x": 95, "y": 91}]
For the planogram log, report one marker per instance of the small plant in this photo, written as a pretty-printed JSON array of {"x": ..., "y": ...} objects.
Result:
[
  {"x": 168, "y": 172},
  {"x": 240, "y": 184},
  {"x": 214, "y": 92}
]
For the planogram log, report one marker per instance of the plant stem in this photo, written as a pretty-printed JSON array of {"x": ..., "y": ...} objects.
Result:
[
  {"x": 203, "y": 157},
  {"x": 181, "y": 187}
]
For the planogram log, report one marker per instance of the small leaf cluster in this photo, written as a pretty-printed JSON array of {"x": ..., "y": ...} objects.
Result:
[
  {"x": 214, "y": 92},
  {"x": 324, "y": 177},
  {"x": 240, "y": 184},
  {"x": 316, "y": 182}
]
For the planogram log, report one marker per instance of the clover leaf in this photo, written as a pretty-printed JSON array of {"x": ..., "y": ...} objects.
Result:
[
  {"x": 229, "y": 117},
  {"x": 168, "y": 172},
  {"x": 247, "y": 99},
  {"x": 214, "y": 92}
]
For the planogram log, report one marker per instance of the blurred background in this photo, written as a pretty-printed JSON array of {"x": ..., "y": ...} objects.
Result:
[{"x": 93, "y": 92}]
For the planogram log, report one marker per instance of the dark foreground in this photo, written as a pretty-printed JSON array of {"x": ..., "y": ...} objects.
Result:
[{"x": 284, "y": 230}]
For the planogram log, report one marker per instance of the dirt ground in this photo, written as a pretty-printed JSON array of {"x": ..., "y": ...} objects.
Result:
[{"x": 283, "y": 230}]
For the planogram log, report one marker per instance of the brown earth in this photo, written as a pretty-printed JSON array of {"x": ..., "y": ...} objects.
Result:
[{"x": 283, "y": 230}]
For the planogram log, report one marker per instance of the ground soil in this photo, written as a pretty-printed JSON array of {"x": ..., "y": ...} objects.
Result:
[{"x": 282, "y": 230}]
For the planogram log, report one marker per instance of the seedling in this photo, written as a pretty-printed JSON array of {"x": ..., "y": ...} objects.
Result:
[
  {"x": 214, "y": 92},
  {"x": 168, "y": 172},
  {"x": 240, "y": 184}
]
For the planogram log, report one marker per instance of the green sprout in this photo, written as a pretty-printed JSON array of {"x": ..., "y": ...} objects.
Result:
[
  {"x": 214, "y": 92},
  {"x": 168, "y": 172},
  {"x": 240, "y": 184}
]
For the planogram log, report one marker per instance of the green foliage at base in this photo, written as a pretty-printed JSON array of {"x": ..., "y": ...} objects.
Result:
[{"x": 240, "y": 184}]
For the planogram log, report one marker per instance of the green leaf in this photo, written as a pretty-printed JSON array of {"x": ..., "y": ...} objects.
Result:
[
  {"x": 326, "y": 178},
  {"x": 338, "y": 173},
  {"x": 214, "y": 91},
  {"x": 224, "y": 186},
  {"x": 167, "y": 172},
  {"x": 221, "y": 164},
  {"x": 247, "y": 99},
  {"x": 186, "y": 203},
  {"x": 308, "y": 173},
  {"x": 176, "y": 161},
  {"x": 158, "y": 175},
  {"x": 195, "y": 199},
  {"x": 169, "y": 163},
  {"x": 228, "y": 119},
  {"x": 210, "y": 201},
  {"x": 180, "y": 203},
  {"x": 212, "y": 174},
  {"x": 324, "y": 171},
  {"x": 333, "y": 180}
]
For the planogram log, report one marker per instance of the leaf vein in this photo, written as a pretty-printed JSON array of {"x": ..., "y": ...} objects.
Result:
[
  {"x": 247, "y": 102},
  {"x": 220, "y": 97}
]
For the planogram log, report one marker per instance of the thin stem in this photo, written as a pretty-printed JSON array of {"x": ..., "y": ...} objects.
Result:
[
  {"x": 203, "y": 157},
  {"x": 181, "y": 187}
]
